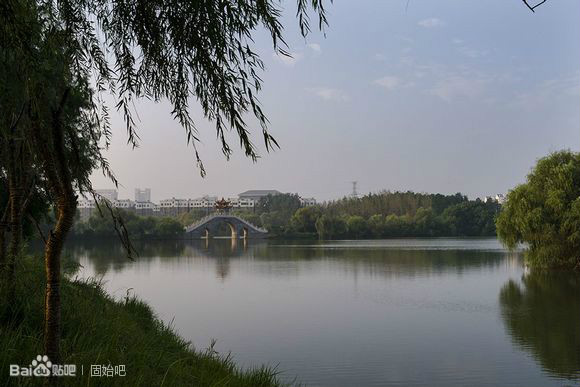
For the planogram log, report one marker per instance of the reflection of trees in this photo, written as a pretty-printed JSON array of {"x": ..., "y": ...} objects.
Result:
[
  {"x": 374, "y": 261},
  {"x": 110, "y": 254},
  {"x": 388, "y": 262},
  {"x": 543, "y": 316}
]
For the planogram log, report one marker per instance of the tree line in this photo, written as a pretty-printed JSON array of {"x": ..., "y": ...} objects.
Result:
[
  {"x": 381, "y": 215},
  {"x": 138, "y": 227}
]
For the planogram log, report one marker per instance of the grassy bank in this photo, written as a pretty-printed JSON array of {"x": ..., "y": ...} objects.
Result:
[{"x": 99, "y": 330}]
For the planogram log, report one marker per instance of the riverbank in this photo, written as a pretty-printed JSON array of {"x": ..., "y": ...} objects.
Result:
[{"x": 98, "y": 330}]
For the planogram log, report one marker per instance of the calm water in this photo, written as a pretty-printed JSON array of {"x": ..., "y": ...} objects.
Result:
[{"x": 413, "y": 312}]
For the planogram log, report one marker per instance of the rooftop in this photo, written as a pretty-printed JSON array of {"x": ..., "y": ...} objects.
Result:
[{"x": 260, "y": 192}]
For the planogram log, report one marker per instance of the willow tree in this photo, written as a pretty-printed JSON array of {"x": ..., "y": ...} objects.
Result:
[
  {"x": 60, "y": 136},
  {"x": 182, "y": 51},
  {"x": 544, "y": 213}
]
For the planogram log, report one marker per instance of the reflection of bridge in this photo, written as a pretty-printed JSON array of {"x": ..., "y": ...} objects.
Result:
[{"x": 239, "y": 227}]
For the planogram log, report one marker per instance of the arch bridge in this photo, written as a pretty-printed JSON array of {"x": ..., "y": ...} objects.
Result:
[{"x": 240, "y": 228}]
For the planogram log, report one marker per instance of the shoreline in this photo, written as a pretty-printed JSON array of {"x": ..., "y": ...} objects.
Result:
[{"x": 98, "y": 330}]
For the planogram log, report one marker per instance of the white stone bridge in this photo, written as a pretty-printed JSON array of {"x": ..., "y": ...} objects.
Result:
[{"x": 240, "y": 228}]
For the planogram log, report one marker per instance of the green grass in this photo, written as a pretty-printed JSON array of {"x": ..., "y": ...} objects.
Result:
[{"x": 97, "y": 329}]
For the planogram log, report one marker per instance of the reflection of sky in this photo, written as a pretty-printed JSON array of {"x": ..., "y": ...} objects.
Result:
[
  {"x": 445, "y": 96},
  {"x": 347, "y": 316}
]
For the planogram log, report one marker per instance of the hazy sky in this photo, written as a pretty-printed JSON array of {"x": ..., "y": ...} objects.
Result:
[{"x": 442, "y": 96}]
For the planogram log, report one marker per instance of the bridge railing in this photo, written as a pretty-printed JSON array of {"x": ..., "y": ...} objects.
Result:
[
  {"x": 246, "y": 222},
  {"x": 207, "y": 218},
  {"x": 200, "y": 222}
]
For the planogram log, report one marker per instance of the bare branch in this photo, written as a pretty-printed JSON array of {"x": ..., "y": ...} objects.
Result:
[{"x": 533, "y": 7}]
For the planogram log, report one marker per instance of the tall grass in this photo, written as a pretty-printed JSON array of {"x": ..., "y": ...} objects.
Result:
[{"x": 97, "y": 329}]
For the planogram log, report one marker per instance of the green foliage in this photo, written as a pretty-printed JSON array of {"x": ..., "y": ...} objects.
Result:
[
  {"x": 395, "y": 203},
  {"x": 474, "y": 218},
  {"x": 304, "y": 219},
  {"x": 36, "y": 212},
  {"x": 544, "y": 213},
  {"x": 190, "y": 217},
  {"x": 286, "y": 202},
  {"x": 382, "y": 215},
  {"x": 98, "y": 226},
  {"x": 397, "y": 226},
  {"x": 440, "y": 202},
  {"x": 425, "y": 223},
  {"x": 282, "y": 215},
  {"x": 376, "y": 225},
  {"x": 356, "y": 226},
  {"x": 249, "y": 216},
  {"x": 461, "y": 217},
  {"x": 100, "y": 330},
  {"x": 275, "y": 221},
  {"x": 182, "y": 51},
  {"x": 166, "y": 227},
  {"x": 275, "y": 212},
  {"x": 330, "y": 227}
]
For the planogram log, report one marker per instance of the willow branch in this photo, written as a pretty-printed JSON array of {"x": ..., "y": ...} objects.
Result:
[{"x": 533, "y": 7}]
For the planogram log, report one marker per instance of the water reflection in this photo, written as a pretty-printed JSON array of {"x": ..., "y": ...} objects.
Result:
[
  {"x": 542, "y": 315},
  {"x": 396, "y": 312},
  {"x": 373, "y": 261}
]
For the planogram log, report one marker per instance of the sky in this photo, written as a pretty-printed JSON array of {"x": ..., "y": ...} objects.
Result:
[{"x": 430, "y": 96}]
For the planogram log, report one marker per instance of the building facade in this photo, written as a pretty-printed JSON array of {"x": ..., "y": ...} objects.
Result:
[
  {"x": 306, "y": 202},
  {"x": 146, "y": 208},
  {"x": 85, "y": 207},
  {"x": 143, "y": 195},
  {"x": 143, "y": 206},
  {"x": 257, "y": 194},
  {"x": 109, "y": 194}
]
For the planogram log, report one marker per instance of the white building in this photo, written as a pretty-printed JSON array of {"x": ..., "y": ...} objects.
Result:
[
  {"x": 174, "y": 206},
  {"x": 305, "y": 202},
  {"x": 143, "y": 195},
  {"x": 85, "y": 203},
  {"x": 109, "y": 194},
  {"x": 500, "y": 198},
  {"x": 146, "y": 208},
  {"x": 125, "y": 204},
  {"x": 85, "y": 207},
  {"x": 257, "y": 194},
  {"x": 203, "y": 202}
]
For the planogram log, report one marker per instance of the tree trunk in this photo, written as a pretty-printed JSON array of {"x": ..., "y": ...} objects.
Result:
[
  {"x": 60, "y": 184},
  {"x": 15, "y": 235},
  {"x": 2, "y": 246},
  {"x": 65, "y": 216},
  {"x": 14, "y": 174},
  {"x": 3, "y": 228}
]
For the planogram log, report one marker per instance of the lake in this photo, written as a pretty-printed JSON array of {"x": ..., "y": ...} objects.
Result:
[{"x": 405, "y": 312}]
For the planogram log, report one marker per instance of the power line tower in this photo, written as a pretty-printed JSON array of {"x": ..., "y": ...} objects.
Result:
[{"x": 354, "y": 193}]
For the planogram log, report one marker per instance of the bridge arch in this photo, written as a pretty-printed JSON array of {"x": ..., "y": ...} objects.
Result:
[
  {"x": 233, "y": 231},
  {"x": 240, "y": 228}
]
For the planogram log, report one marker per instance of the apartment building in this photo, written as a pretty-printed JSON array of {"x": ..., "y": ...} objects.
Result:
[
  {"x": 306, "y": 202},
  {"x": 175, "y": 206},
  {"x": 142, "y": 195}
]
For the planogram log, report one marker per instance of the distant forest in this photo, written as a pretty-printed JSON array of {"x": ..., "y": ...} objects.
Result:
[{"x": 380, "y": 215}]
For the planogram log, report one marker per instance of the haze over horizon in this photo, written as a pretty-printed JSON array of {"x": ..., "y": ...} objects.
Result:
[{"x": 446, "y": 97}]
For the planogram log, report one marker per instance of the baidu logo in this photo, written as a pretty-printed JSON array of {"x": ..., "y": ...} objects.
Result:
[{"x": 43, "y": 367}]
